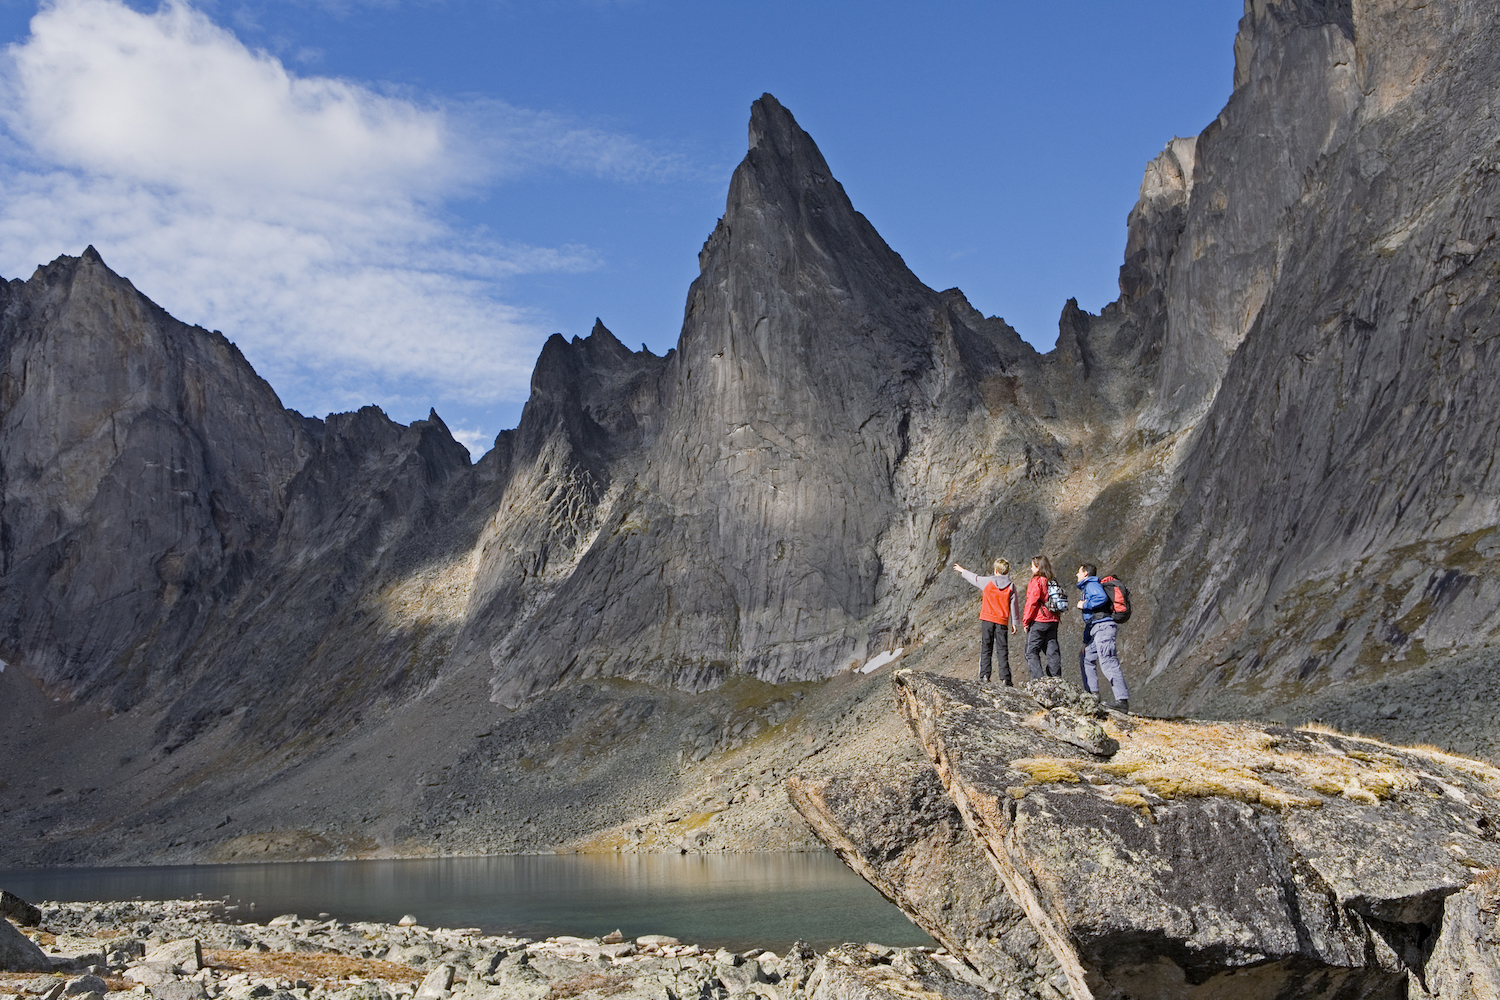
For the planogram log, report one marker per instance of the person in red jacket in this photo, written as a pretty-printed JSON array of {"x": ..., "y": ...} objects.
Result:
[
  {"x": 1040, "y": 622},
  {"x": 999, "y": 609}
]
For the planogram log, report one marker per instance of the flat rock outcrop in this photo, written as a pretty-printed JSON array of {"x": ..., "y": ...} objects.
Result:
[{"x": 1187, "y": 859}]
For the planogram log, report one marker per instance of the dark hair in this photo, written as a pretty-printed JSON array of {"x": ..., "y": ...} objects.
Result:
[
  {"x": 1042, "y": 567},
  {"x": 1092, "y": 569}
]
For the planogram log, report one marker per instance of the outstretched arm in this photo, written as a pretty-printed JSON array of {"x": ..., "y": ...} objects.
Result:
[{"x": 967, "y": 575}]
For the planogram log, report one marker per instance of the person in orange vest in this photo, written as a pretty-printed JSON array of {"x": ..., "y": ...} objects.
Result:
[{"x": 999, "y": 609}]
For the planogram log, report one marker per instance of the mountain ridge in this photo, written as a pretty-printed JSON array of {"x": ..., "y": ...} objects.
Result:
[{"x": 669, "y": 552}]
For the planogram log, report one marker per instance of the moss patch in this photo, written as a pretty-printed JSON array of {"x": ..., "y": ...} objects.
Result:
[{"x": 1167, "y": 760}]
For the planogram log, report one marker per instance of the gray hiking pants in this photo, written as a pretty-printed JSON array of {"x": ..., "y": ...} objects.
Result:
[{"x": 1098, "y": 653}]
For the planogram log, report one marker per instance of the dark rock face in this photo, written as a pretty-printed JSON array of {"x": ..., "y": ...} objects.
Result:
[
  {"x": 756, "y": 527},
  {"x": 1348, "y": 448},
  {"x": 17, "y": 909},
  {"x": 169, "y": 529},
  {"x": 1189, "y": 859},
  {"x": 143, "y": 467},
  {"x": 1295, "y": 97}
]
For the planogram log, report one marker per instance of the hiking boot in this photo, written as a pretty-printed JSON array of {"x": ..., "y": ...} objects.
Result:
[{"x": 1125, "y": 705}]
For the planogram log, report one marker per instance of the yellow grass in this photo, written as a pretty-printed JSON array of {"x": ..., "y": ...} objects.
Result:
[
  {"x": 314, "y": 967},
  {"x": 1178, "y": 760},
  {"x": 590, "y": 982},
  {"x": 1318, "y": 727}
]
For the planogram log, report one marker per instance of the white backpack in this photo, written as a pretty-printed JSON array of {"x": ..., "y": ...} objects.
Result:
[{"x": 1056, "y": 599}]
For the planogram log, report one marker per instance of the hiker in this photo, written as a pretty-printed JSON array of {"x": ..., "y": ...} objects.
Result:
[
  {"x": 999, "y": 609},
  {"x": 1039, "y": 619},
  {"x": 1098, "y": 650}
]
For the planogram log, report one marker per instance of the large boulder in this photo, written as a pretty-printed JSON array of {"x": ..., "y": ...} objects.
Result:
[
  {"x": 1185, "y": 859},
  {"x": 186, "y": 954},
  {"x": 1465, "y": 961},
  {"x": 18, "y": 953},
  {"x": 897, "y": 827},
  {"x": 19, "y": 910}
]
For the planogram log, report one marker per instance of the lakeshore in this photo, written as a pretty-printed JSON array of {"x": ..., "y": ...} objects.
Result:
[{"x": 197, "y": 950}]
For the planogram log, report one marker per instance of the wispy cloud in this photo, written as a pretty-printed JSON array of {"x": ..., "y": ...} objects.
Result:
[{"x": 302, "y": 215}]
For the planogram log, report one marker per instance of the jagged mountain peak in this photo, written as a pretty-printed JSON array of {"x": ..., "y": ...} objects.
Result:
[{"x": 775, "y": 132}]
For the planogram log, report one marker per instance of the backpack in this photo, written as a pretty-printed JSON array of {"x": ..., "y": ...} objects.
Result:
[
  {"x": 1056, "y": 599},
  {"x": 1119, "y": 598}
]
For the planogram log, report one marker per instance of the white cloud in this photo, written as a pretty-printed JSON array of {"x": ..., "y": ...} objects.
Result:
[{"x": 301, "y": 215}]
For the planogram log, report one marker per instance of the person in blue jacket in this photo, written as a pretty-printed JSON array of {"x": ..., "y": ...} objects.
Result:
[{"x": 1098, "y": 650}]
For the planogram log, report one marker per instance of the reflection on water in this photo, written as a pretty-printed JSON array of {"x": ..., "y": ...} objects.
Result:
[{"x": 732, "y": 900}]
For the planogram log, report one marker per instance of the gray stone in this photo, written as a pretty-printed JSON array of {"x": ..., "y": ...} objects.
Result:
[
  {"x": 150, "y": 974},
  {"x": 85, "y": 984},
  {"x": 743, "y": 977},
  {"x": 850, "y": 972},
  {"x": 1465, "y": 960},
  {"x": 657, "y": 941},
  {"x": 186, "y": 954},
  {"x": 18, "y": 953},
  {"x": 361, "y": 991},
  {"x": 437, "y": 984},
  {"x": 514, "y": 977},
  {"x": 17, "y": 909},
  {"x": 184, "y": 989},
  {"x": 76, "y": 952}
]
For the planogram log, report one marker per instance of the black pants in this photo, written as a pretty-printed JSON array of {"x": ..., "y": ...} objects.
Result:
[
  {"x": 1043, "y": 635},
  {"x": 992, "y": 637}
]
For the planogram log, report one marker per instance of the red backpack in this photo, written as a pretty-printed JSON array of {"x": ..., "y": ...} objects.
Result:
[{"x": 1119, "y": 598}]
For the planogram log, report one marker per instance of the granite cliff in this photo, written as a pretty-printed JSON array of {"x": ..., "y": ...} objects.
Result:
[{"x": 370, "y": 643}]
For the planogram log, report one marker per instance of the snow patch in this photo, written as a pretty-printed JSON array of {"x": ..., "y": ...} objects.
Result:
[{"x": 881, "y": 659}]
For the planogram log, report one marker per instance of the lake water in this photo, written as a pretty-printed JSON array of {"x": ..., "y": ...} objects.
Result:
[{"x": 733, "y": 901}]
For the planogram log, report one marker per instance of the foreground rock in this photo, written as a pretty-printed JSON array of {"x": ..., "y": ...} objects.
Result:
[
  {"x": 18, "y": 953},
  {"x": 1163, "y": 858},
  {"x": 897, "y": 827},
  {"x": 1465, "y": 961},
  {"x": 180, "y": 950}
]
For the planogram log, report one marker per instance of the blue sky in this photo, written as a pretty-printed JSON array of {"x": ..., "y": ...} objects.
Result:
[{"x": 396, "y": 202}]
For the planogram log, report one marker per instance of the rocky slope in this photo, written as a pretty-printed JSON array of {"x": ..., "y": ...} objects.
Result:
[{"x": 644, "y": 601}]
